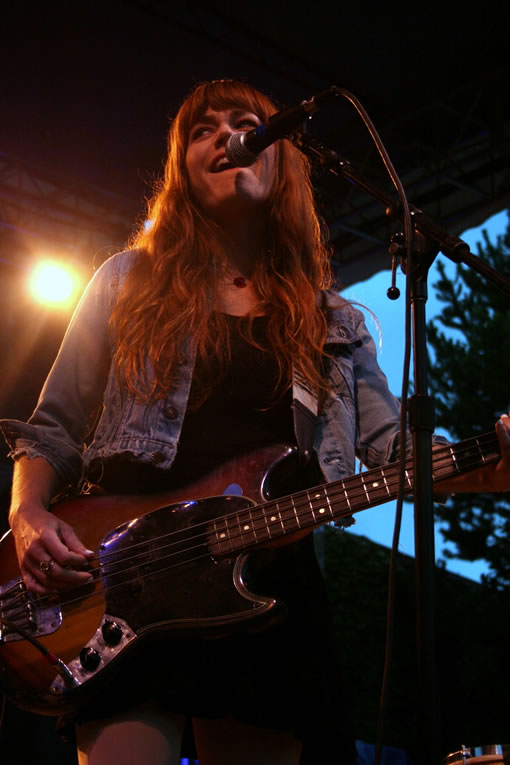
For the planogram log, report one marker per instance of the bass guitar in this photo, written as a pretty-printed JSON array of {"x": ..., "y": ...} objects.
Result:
[{"x": 175, "y": 562}]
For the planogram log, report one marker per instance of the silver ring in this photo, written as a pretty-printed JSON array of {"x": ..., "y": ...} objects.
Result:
[{"x": 46, "y": 566}]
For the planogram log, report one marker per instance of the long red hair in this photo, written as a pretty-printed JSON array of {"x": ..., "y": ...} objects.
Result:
[{"x": 168, "y": 297}]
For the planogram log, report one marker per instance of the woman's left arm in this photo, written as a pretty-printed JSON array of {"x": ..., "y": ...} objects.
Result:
[{"x": 379, "y": 425}]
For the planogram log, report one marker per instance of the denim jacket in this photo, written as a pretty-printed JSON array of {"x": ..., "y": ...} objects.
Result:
[{"x": 359, "y": 418}]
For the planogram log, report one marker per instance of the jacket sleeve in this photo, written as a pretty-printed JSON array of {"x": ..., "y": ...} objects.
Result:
[
  {"x": 74, "y": 388},
  {"x": 378, "y": 409}
]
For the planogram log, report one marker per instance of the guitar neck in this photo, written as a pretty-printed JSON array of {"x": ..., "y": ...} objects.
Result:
[{"x": 309, "y": 509}]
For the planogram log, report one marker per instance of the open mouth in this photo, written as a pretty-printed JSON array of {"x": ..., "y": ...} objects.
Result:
[{"x": 220, "y": 165}]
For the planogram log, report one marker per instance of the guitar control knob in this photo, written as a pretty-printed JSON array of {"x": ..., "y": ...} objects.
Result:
[
  {"x": 89, "y": 659},
  {"x": 112, "y": 633}
]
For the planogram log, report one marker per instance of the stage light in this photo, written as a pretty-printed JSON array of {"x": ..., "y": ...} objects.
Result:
[{"x": 55, "y": 284}]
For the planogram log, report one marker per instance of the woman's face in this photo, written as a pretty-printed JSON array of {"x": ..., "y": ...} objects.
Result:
[{"x": 224, "y": 191}]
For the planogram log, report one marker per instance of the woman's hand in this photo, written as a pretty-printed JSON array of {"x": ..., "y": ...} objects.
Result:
[
  {"x": 500, "y": 479},
  {"x": 50, "y": 555},
  {"x": 491, "y": 478}
]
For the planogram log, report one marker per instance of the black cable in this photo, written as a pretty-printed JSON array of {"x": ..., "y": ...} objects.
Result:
[
  {"x": 408, "y": 245},
  {"x": 62, "y": 668}
]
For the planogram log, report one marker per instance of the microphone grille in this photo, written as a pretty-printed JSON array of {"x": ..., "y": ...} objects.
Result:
[{"x": 237, "y": 153}]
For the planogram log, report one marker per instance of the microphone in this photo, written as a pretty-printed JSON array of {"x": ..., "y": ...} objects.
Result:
[{"x": 242, "y": 149}]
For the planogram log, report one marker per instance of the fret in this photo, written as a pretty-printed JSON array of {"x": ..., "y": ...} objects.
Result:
[
  {"x": 222, "y": 538},
  {"x": 454, "y": 459},
  {"x": 282, "y": 519},
  {"x": 288, "y": 514},
  {"x": 376, "y": 488},
  {"x": 346, "y": 496},
  {"x": 329, "y": 504},
  {"x": 444, "y": 462},
  {"x": 275, "y": 519},
  {"x": 364, "y": 487},
  {"x": 296, "y": 515},
  {"x": 235, "y": 525},
  {"x": 313, "y": 507},
  {"x": 461, "y": 459},
  {"x": 253, "y": 525},
  {"x": 383, "y": 476},
  {"x": 267, "y": 526},
  {"x": 467, "y": 457},
  {"x": 316, "y": 502},
  {"x": 246, "y": 529},
  {"x": 482, "y": 455},
  {"x": 311, "y": 504}
]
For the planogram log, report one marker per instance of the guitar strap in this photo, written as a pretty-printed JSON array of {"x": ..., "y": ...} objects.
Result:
[
  {"x": 305, "y": 405},
  {"x": 305, "y": 410}
]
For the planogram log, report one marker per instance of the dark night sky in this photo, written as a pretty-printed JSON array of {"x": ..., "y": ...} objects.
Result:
[{"x": 88, "y": 88}]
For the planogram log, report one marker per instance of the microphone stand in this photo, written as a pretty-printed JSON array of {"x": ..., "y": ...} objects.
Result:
[{"x": 429, "y": 238}]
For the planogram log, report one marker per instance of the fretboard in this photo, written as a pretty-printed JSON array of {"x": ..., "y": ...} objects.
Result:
[{"x": 257, "y": 525}]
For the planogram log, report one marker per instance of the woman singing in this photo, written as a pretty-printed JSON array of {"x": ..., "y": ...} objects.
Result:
[{"x": 216, "y": 336}]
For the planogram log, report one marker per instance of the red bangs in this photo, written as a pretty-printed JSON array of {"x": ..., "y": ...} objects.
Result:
[{"x": 218, "y": 95}]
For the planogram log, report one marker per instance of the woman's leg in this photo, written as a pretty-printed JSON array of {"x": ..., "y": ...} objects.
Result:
[
  {"x": 227, "y": 741},
  {"x": 144, "y": 735}
]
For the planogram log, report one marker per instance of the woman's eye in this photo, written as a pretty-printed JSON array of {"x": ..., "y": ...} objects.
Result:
[
  {"x": 200, "y": 131},
  {"x": 247, "y": 123}
]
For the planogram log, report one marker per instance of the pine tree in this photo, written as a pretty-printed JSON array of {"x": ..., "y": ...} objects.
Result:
[{"x": 470, "y": 380}]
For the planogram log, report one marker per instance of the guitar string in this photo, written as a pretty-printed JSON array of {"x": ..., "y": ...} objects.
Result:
[
  {"x": 234, "y": 537},
  {"x": 329, "y": 489},
  {"x": 332, "y": 489},
  {"x": 305, "y": 496},
  {"x": 295, "y": 505},
  {"x": 246, "y": 511},
  {"x": 285, "y": 513},
  {"x": 173, "y": 565}
]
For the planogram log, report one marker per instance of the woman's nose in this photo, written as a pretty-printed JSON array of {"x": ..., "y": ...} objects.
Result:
[{"x": 223, "y": 133}]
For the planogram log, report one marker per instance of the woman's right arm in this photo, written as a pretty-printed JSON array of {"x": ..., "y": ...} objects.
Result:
[
  {"x": 48, "y": 449},
  {"x": 41, "y": 536}
]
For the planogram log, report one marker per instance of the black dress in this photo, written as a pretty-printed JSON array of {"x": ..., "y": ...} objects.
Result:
[{"x": 285, "y": 676}]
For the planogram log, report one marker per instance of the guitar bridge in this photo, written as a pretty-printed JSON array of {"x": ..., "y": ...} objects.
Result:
[{"x": 22, "y": 613}]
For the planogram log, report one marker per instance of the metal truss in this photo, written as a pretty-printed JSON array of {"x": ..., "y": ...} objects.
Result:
[{"x": 42, "y": 209}]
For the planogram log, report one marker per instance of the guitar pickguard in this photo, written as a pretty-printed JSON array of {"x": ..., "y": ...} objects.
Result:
[
  {"x": 178, "y": 562},
  {"x": 158, "y": 570},
  {"x": 158, "y": 573}
]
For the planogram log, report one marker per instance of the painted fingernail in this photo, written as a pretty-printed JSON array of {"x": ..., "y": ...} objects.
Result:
[{"x": 502, "y": 427}]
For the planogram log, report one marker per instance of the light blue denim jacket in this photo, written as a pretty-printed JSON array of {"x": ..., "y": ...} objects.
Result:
[{"x": 360, "y": 417}]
